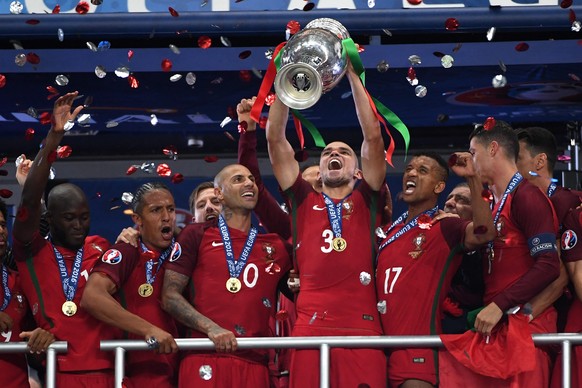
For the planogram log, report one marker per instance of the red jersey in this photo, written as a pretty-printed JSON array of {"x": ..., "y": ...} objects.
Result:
[
  {"x": 525, "y": 259},
  {"x": 13, "y": 366},
  {"x": 125, "y": 265},
  {"x": 414, "y": 274},
  {"x": 42, "y": 286},
  {"x": 333, "y": 300},
  {"x": 245, "y": 313},
  {"x": 564, "y": 200}
]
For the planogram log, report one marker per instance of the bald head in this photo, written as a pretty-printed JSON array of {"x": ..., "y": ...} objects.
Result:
[
  {"x": 68, "y": 216},
  {"x": 227, "y": 172},
  {"x": 66, "y": 194}
]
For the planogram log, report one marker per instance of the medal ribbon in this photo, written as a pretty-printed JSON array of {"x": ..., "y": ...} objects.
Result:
[
  {"x": 7, "y": 293},
  {"x": 551, "y": 188},
  {"x": 71, "y": 281},
  {"x": 411, "y": 224},
  {"x": 149, "y": 265},
  {"x": 334, "y": 213},
  {"x": 235, "y": 267},
  {"x": 513, "y": 183}
]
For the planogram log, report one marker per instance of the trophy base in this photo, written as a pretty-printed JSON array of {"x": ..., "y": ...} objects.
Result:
[{"x": 298, "y": 85}]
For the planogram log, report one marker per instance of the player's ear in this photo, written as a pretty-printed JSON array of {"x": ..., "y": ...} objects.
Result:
[
  {"x": 136, "y": 219},
  {"x": 218, "y": 193},
  {"x": 440, "y": 187},
  {"x": 358, "y": 174}
]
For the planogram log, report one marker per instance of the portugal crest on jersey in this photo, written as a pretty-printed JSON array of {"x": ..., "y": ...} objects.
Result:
[
  {"x": 569, "y": 240},
  {"x": 176, "y": 252},
  {"x": 112, "y": 256}
]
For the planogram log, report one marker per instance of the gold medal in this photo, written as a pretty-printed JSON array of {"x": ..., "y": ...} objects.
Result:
[
  {"x": 69, "y": 308},
  {"x": 233, "y": 285},
  {"x": 339, "y": 244},
  {"x": 145, "y": 290}
]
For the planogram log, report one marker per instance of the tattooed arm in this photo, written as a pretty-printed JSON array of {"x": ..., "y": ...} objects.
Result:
[{"x": 177, "y": 306}]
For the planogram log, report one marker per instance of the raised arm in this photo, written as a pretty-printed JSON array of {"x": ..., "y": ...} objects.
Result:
[
  {"x": 98, "y": 301},
  {"x": 27, "y": 223},
  {"x": 373, "y": 162},
  {"x": 482, "y": 218},
  {"x": 177, "y": 306},
  {"x": 282, "y": 156}
]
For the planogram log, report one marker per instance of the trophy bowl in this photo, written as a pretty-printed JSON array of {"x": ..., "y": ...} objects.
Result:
[{"x": 311, "y": 63}]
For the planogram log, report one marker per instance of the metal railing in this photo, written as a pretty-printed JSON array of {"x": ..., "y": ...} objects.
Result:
[
  {"x": 51, "y": 356},
  {"x": 326, "y": 343}
]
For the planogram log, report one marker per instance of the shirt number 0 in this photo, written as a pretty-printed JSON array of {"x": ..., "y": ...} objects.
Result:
[
  {"x": 328, "y": 240},
  {"x": 396, "y": 271}
]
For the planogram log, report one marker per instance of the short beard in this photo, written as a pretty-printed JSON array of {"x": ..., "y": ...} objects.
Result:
[{"x": 336, "y": 182}]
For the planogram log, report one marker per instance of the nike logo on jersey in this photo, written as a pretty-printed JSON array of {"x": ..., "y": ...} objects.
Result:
[
  {"x": 217, "y": 244},
  {"x": 315, "y": 207}
]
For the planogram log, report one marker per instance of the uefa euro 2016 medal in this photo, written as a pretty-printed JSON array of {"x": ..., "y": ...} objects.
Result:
[
  {"x": 339, "y": 244},
  {"x": 145, "y": 290},
  {"x": 233, "y": 285},
  {"x": 69, "y": 308}
]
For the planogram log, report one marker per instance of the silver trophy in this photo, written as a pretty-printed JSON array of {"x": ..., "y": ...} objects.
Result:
[{"x": 312, "y": 63}]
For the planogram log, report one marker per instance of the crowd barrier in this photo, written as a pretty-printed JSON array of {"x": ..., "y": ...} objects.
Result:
[{"x": 324, "y": 344}]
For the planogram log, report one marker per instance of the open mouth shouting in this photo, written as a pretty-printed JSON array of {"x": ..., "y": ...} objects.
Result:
[
  {"x": 409, "y": 187},
  {"x": 167, "y": 233},
  {"x": 334, "y": 164}
]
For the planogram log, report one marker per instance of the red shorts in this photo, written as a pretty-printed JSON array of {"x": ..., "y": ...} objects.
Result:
[
  {"x": 201, "y": 370},
  {"x": 162, "y": 374},
  {"x": 417, "y": 364},
  {"x": 348, "y": 368},
  {"x": 86, "y": 380}
]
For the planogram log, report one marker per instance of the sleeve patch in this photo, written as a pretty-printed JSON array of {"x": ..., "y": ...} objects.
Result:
[
  {"x": 542, "y": 243},
  {"x": 112, "y": 256},
  {"x": 176, "y": 252},
  {"x": 569, "y": 240}
]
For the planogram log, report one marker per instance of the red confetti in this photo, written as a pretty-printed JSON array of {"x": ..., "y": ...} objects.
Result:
[
  {"x": 32, "y": 58},
  {"x": 273, "y": 268},
  {"x": 424, "y": 221},
  {"x": 3, "y": 161},
  {"x": 22, "y": 214},
  {"x": 5, "y": 193},
  {"x": 282, "y": 315},
  {"x": 52, "y": 157},
  {"x": 309, "y": 6},
  {"x": 414, "y": 2},
  {"x": 52, "y": 89},
  {"x": 411, "y": 73},
  {"x": 204, "y": 42},
  {"x": 245, "y": 54},
  {"x": 270, "y": 99},
  {"x": 245, "y": 75},
  {"x": 487, "y": 195},
  {"x": 32, "y": 22},
  {"x": 170, "y": 151},
  {"x": 129, "y": 55},
  {"x": 481, "y": 229},
  {"x": 57, "y": 9},
  {"x": 566, "y": 3},
  {"x": 44, "y": 118},
  {"x": 82, "y": 8},
  {"x": 164, "y": 170},
  {"x": 131, "y": 170},
  {"x": 361, "y": 48},
  {"x": 453, "y": 160},
  {"x": 177, "y": 178},
  {"x": 572, "y": 16},
  {"x": 263, "y": 122},
  {"x": 293, "y": 27},
  {"x": 229, "y": 135},
  {"x": 29, "y": 134},
  {"x": 301, "y": 156},
  {"x": 173, "y": 12},
  {"x": 451, "y": 24},
  {"x": 51, "y": 96},
  {"x": 211, "y": 159},
  {"x": 242, "y": 127},
  {"x": 489, "y": 123},
  {"x": 64, "y": 152},
  {"x": 133, "y": 82},
  {"x": 166, "y": 65},
  {"x": 521, "y": 47},
  {"x": 2, "y": 81}
]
